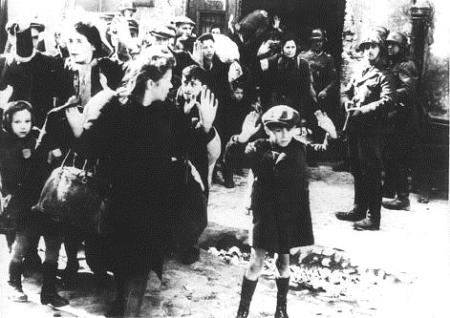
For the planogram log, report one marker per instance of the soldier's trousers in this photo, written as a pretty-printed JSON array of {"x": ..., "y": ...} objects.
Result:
[
  {"x": 397, "y": 156},
  {"x": 365, "y": 154}
]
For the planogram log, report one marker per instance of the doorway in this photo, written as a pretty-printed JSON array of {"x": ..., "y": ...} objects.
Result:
[{"x": 301, "y": 16}]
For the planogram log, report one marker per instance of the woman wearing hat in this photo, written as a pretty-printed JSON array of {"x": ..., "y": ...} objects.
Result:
[
  {"x": 280, "y": 197},
  {"x": 368, "y": 98}
]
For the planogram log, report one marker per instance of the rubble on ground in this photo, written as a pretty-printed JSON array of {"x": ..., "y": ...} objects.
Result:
[{"x": 321, "y": 271}]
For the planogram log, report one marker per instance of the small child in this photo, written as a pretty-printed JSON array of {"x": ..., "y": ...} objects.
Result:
[
  {"x": 23, "y": 174},
  {"x": 280, "y": 196},
  {"x": 16, "y": 144},
  {"x": 200, "y": 147}
]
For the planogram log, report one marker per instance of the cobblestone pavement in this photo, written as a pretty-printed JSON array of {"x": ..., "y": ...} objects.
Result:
[{"x": 400, "y": 271}]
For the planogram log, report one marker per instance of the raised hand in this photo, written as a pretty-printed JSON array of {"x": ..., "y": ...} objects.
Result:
[
  {"x": 235, "y": 71},
  {"x": 326, "y": 123},
  {"x": 276, "y": 22},
  {"x": 95, "y": 105},
  {"x": 230, "y": 23},
  {"x": 322, "y": 95},
  {"x": 197, "y": 54},
  {"x": 75, "y": 118},
  {"x": 249, "y": 127},
  {"x": 103, "y": 81},
  {"x": 188, "y": 105},
  {"x": 207, "y": 108}
]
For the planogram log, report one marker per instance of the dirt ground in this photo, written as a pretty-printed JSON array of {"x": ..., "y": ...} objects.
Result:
[{"x": 400, "y": 271}]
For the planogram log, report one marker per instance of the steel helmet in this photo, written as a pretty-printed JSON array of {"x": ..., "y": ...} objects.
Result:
[
  {"x": 318, "y": 34},
  {"x": 397, "y": 38},
  {"x": 373, "y": 37}
]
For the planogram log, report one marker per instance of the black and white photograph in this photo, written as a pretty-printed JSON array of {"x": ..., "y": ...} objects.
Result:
[{"x": 224, "y": 158}]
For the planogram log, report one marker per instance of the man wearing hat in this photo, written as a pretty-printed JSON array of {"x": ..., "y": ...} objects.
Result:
[
  {"x": 367, "y": 100},
  {"x": 403, "y": 126},
  {"x": 36, "y": 29},
  {"x": 324, "y": 80},
  {"x": 31, "y": 73},
  {"x": 127, "y": 9},
  {"x": 184, "y": 32},
  {"x": 322, "y": 69},
  {"x": 163, "y": 35},
  {"x": 280, "y": 199}
]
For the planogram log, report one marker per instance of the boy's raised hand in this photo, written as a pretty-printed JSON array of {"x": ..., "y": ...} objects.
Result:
[
  {"x": 207, "y": 108},
  {"x": 249, "y": 127}
]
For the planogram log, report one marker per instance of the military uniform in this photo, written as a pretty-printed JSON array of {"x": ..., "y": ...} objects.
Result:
[
  {"x": 372, "y": 90},
  {"x": 324, "y": 77},
  {"x": 402, "y": 123}
]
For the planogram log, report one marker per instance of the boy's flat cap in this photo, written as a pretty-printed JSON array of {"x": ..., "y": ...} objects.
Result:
[{"x": 281, "y": 115}]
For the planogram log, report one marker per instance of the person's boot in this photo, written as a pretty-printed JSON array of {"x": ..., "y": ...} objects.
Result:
[
  {"x": 424, "y": 196},
  {"x": 228, "y": 177},
  {"x": 356, "y": 214},
  {"x": 134, "y": 295},
  {"x": 368, "y": 223},
  {"x": 215, "y": 177},
  {"x": 49, "y": 296},
  {"x": 399, "y": 203},
  {"x": 15, "y": 282},
  {"x": 283, "y": 288},
  {"x": 247, "y": 291},
  {"x": 117, "y": 306},
  {"x": 70, "y": 273}
]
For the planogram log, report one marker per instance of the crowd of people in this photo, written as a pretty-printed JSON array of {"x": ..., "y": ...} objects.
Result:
[{"x": 156, "y": 118}]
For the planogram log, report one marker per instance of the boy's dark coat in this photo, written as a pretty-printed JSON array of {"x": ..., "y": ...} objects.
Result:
[{"x": 280, "y": 196}]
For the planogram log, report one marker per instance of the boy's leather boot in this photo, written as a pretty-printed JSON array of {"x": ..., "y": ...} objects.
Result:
[
  {"x": 248, "y": 288},
  {"x": 283, "y": 288}
]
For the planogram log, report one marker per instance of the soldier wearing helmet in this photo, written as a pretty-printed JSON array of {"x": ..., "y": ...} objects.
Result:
[
  {"x": 402, "y": 121},
  {"x": 367, "y": 98},
  {"x": 322, "y": 69}
]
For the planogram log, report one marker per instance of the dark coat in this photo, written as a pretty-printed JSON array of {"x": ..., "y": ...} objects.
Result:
[
  {"x": 34, "y": 81},
  {"x": 280, "y": 195},
  {"x": 403, "y": 117},
  {"x": 58, "y": 132},
  {"x": 23, "y": 174},
  {"x": 140, "y": 143},
  {"x": 217, "y": 81},
  {"x": 373, "y": 89},
  {"x": 322, "y": 69},
  {"x": 291, "y": 85}
]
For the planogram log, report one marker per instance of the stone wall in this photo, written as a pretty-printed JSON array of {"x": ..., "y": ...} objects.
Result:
[{"x": 395, "y": 15}]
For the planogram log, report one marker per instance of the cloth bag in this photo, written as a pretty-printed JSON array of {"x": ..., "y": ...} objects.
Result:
[{"x": 75, "y": 197}]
